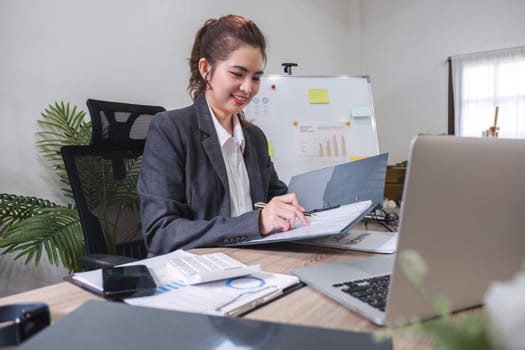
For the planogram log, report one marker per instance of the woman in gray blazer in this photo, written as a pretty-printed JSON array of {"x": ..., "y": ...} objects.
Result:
[{"x": 205, "y": 165}]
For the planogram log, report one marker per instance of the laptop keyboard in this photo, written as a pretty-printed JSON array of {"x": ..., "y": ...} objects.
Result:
[{"x": 372, "y": 291}]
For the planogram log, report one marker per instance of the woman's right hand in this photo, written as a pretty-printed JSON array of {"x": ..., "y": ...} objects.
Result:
[{"x": 280, "y": 214}]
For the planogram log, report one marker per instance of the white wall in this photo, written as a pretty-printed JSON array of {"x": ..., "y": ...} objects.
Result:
[
  {"x": 404, "y": 48},
  {"x": 136, "y": 51}
]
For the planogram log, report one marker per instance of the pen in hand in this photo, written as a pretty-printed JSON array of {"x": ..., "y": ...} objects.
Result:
[{"x": 261, "y": 205}]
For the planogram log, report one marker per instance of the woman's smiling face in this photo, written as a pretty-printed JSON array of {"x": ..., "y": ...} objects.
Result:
[{"x": 233, "y": 82}]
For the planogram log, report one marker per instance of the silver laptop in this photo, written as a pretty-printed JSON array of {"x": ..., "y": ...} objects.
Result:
[{"x": 462, "y": 211}]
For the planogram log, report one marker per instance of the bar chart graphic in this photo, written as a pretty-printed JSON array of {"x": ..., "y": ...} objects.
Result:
[
  {"x": 333, "y": 147},
  {"x": 321, "y": 142}
]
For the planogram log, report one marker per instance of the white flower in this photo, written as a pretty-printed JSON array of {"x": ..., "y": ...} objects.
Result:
[{"x": 505, "y": 306}]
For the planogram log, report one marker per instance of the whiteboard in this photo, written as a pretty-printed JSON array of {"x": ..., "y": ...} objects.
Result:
[{"x": 315, "y": 122}]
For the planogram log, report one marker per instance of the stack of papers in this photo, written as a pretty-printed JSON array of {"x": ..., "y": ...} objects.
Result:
[{"x": 230, "y": 297}]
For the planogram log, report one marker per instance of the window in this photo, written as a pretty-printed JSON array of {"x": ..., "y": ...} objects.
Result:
[{"x": 482, "y": 81}]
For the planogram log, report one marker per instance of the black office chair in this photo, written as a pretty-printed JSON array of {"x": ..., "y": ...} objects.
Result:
[{"x": 103, "y": 178}]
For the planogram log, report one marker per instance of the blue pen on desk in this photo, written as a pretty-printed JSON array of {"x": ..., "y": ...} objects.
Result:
[{"x": 261, "y": 205}]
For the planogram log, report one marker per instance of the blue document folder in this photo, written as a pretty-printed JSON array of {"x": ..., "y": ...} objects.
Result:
[{"x": 346, "y": 183}]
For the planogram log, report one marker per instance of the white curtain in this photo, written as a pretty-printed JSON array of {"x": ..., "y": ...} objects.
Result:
[{"x": 484, "y": 80}]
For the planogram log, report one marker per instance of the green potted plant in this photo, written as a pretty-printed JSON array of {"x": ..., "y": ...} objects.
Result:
[{"x": 30, "y": 226}]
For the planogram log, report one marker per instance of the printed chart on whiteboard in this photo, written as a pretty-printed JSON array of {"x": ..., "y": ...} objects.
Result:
[
  {"x": 315, "y": 122},
  {"x": 318, "y": 141}
]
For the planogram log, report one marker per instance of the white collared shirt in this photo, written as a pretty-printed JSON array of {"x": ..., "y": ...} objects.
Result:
[{"x": 232, "y": 148}]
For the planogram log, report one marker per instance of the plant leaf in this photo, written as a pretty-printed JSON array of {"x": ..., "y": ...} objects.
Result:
[
  {"x": 61, "y": 126},
  {"x": 470, "y": 333},
  {"x": 14, "y": 208},
  {"x": 48, "y": 230}
]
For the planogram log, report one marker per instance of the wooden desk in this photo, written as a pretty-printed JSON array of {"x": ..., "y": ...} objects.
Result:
[
  {"x": 303, "y": 307},
  {"x": 307, "y": 306}
]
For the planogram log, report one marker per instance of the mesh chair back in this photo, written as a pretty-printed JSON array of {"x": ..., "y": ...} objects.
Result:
[
  {"x": 118, "y": 124},
  {"x": 106, "y": 198},
  {"x": 103, "y": 177}
]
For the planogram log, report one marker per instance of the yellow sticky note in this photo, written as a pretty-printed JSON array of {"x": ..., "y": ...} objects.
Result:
[
  {"x": 318, "y": 96},
  {"x": 354, "y": 158},
  {"x": 270, "y": 148}
]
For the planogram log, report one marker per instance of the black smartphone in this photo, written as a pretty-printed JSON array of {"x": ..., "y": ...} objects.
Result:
[{"x": 127, "y": 282}]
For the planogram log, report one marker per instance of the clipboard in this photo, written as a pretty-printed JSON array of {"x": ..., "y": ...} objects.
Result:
[{"x": 326, "y": 223}]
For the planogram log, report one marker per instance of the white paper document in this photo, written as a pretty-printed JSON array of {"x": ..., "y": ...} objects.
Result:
[
  {"x": 366, "y": 241},
  {"x": 326, "y": 223},
  {"x": 230, "y": 297}
]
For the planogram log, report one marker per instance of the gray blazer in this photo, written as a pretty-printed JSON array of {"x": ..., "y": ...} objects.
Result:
[{"x": 183, "y": 185}]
